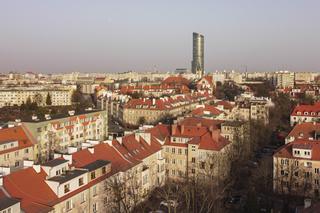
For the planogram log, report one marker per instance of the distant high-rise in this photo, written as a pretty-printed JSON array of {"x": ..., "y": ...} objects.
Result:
[{"x": 198, "y": 54}]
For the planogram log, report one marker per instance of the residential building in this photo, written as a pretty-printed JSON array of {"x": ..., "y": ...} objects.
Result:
[
  {"x": 305, "y": 113},
  {"x": 61, "y": 131},
  {"x": 15, "y": 147},
  {"x": 153, "y": 110},
  {"x": 306, "y": 131},
  {"x": 285, "y": 79},
  {"x": 59, "y": 95},
  {"x": 296, "y": 168}
]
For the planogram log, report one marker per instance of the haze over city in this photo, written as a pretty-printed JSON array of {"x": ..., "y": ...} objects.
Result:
[{"x": 117, "y": 36}]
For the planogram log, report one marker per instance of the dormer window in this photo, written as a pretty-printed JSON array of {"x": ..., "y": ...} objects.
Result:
[
  {"x": 296, "y": 152},
  {"x": 80, "y": 181},
  {"x": 298, "y": 113},
  {"x": 93, "y": 175},
  {"x": 306, "y": 113},
  {"x": 313, "y": 113}
]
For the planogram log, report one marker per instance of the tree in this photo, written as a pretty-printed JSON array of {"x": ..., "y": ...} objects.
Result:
[
  {"x": 142, "y": 120},
  {"x": 38, "y": 99},
  {"x": 48, "y": 100}
]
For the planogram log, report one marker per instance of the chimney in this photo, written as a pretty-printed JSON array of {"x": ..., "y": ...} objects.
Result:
[
  {"x": 37, "y": 168},
  {"x": 119, "y": 139},
  {"x": 182, "y": 129},
  {"x": 34, "y": 117},
  {"x": 215, "y": 135},
  {"x": 69, "y": 157},
  {"x": 199, "y": 124},
  {"x": 174, "y": 129},
  {"x": 71, "y": 112},
  {"x": 91, "y": 150}
]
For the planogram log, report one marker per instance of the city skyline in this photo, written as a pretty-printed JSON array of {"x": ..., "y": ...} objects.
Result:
[{"x": 58, "y": 37}]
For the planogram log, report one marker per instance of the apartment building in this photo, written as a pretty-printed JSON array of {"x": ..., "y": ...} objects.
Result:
[
  {"x": 296, "y": 168},
  {"x": 305, "y": 113},
  {"x": 90, "y": 179},
  {"x": 285, "y": 79},
  {"x": 61, "y": 131},
  {"x": 153, "y": 110},
  {"x": 15, "y": 147},
  {"x": 194, "y": 147},
  {"x": 60, "y": 95},
  {"x": 249, "y": 107}
]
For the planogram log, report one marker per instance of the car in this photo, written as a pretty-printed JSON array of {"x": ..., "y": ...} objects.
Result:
[
  {"x": 169, "y": 204},
  {"x": 235, "y": 201},
  {"x": 252, "y": 164}
]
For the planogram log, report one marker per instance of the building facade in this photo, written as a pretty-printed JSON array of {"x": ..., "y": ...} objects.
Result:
[{"x": 197, "y": 65}]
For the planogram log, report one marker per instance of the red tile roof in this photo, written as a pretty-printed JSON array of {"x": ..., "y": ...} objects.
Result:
[
  {"x": 286, "y": 150},
  {"x": 307, "y": 108},
  {"x": 204, "y": 109},
  {"x": 14, "y": 134},
  {"x": 305, "y": 130},
  {"x": 225, "y": 104},
  {"x": 176, "y": 80}
]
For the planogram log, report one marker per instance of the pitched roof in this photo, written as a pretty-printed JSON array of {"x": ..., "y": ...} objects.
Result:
[
  {"x": 176, "y": 80},
  {"x": 14, "y": 134},
  {"x": 206, "y": 110},
  {"x": 286, "y": 150},
  {"x": 307, "y": 108},
  {"x": 305, "y": 130}
]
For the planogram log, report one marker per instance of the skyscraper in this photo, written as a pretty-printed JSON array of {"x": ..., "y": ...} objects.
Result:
[{"x": 198, "y": 54}]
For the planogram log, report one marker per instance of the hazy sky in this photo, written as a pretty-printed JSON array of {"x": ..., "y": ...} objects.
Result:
[{"x": 111, "y": 36}]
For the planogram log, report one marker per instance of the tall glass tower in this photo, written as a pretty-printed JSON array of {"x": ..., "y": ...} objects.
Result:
[{"x": 198, "y": 54}]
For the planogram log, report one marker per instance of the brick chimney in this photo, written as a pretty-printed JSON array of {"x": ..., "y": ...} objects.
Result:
[
  {"x": 174, "y": 129},
  {"x": 215, "y": 135}
]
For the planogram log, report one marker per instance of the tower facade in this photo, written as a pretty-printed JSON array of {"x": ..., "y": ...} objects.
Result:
[{"x": 197, "y": 64}]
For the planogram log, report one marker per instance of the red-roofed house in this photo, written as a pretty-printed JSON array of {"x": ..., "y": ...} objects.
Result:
[
  {"x": 305, "y": 113},
  {"x": 208, "y": 111},
  {"x": 297, "y": 168},
  {"x": 15, "y": 146},
  {"x": 206, "y": 83},
  {"x": 307, "y": 131}
]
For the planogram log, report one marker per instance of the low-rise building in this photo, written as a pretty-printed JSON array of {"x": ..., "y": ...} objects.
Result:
[
  {"x": 15, "y": 147},
  {"x": 305, "y": 113},
  {"x": 296, "y": 168},
  {"x": 144, "y": 110}
]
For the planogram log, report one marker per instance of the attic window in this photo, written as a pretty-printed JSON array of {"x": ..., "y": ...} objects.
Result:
[
  {"x": 298, "y": 113},
  {"x": 305, "y": 113}
]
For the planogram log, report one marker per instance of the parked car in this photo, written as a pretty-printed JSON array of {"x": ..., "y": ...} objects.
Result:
[{"x": 235, "y": 201}]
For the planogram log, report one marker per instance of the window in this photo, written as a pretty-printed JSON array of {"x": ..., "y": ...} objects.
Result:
[
  {"x": 66, "y": 188},
  {"x": 167, "y": 149},
  {"x": 203, "y": 165},
  {"x": 26, "y": 151},
  {"x": 80, "y": 181},
  {"x": 282, "y": 172},
  {"x": 173, "y": 150},
  {"x": 316, "y": 170},
  {"x": 179, "y": 151},
  {"x": 94, "y": 190},
  {"x": 296, "y": 174},
  {"x": 103, "y": 170},
  {"x": 83, "y": 197},
  {"x": 16, "y": 153},
  {"x": 193, "y": 171},
  {"x": 68, "y": 205},
  {"x": 316, "y": 182},
  {"x": 93, "y": 175},
  {"x": 193, "y": 160},
  {"x": 95, "y": 207},
  {"x": 173, "y": 161},
  {"x": 17, "y": 163},
  {"x": 173, "y": 172}
]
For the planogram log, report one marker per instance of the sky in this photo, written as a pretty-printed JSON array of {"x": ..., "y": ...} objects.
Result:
[{"x": 60, "y": 36}]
